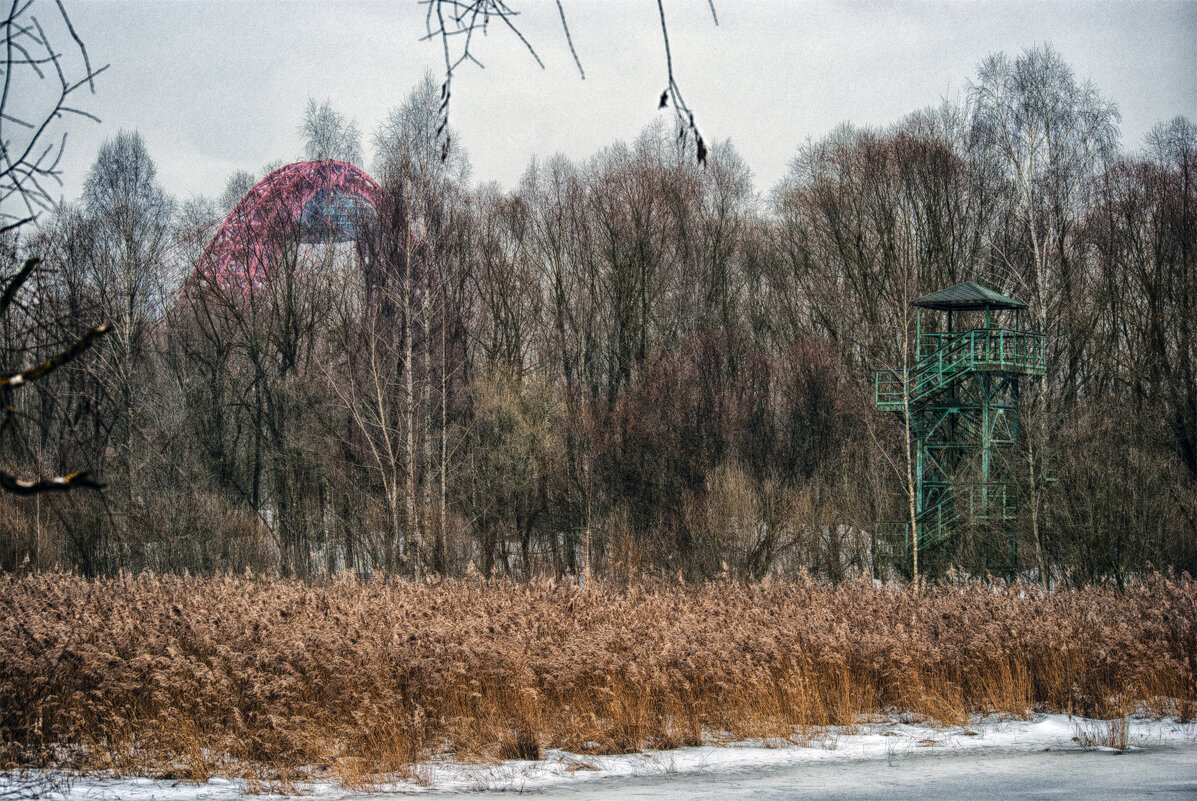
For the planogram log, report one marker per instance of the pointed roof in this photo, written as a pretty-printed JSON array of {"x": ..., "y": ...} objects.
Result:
[{"x": 968, "y": 296}]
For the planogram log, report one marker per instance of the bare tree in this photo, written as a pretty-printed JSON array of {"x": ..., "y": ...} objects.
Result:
[
  {"x": 129, "y": 217},
  {"x": 369, "y": 387},
  {"x": 1048, "y": 135},
  {"x": 328, "y": 134},
  {"x": 39, "y": 82}
]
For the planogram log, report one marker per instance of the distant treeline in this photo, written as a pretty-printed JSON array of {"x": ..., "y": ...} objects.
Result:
[{"x": 631, "y": 365}]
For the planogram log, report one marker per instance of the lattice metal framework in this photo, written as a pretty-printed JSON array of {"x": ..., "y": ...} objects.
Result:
[
  {"x": 318, "y": 201},
  {"x": 963, "y": 396}
]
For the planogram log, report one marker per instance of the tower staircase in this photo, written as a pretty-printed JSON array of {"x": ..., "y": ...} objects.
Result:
[{"x": 961, "y": 395}]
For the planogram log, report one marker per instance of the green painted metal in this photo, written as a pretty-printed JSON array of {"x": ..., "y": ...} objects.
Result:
[
  {"x": 962, "y": 393},
  {"x": 965, "y": 297},
  {"x": 953, "y": 355}
]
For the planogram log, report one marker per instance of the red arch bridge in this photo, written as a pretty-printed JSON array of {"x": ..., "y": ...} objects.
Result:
[{"x": 320, "y": 201}]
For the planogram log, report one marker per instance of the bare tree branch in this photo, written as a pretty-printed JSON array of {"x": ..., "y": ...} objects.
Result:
[
  {"x": 21, "y": 486},
  {"x": 673, "y": 94},
  {"x": 16, "y": 380},
  {"x": 16, "y": 282},
  {"x": 454, "y": 23},
  {"x": 27, "y": 161}
]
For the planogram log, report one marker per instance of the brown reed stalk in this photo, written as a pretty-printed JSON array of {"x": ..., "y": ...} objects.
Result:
[{"x": 274, "y": 680}]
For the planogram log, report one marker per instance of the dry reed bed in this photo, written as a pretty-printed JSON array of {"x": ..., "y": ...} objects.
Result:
[{"x": 192, "y": 677}]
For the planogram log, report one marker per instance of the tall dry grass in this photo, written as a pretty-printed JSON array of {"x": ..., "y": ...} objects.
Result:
[{"x": 192, "y": 677}]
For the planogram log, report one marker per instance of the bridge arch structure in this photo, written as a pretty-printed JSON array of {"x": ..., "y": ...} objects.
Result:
[{"x": 320, "y": 201}]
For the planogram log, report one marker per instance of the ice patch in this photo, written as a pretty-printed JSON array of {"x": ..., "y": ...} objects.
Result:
[{"x": 880, "y": 742}]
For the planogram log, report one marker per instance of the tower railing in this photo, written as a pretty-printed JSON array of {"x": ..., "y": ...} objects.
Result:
[
  {"x": 981, "y": 349},
  {"x": 959, "y": 399}
]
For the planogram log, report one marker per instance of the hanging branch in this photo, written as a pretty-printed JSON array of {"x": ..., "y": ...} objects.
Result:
[
  {"x": 28, "y": 58},
  {"x": 569, "y": 40},
  {"x": 673, "y": 93},
  {"x": 454, "y": 23}
]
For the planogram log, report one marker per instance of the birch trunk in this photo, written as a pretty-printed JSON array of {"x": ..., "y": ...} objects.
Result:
[
  {"x": 911, "y": 484},
  {"x": 410, "y": 411},
  {"x": 426, "y": 393}
]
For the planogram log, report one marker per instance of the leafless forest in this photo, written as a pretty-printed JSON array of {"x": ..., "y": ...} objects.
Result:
[{"x": 628, "y": 366}]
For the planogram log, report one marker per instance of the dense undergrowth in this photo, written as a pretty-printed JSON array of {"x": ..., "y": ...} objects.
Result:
[{"x": 270, "y": 678}]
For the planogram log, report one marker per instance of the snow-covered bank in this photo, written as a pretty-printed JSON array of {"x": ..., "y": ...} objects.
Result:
[{"x": 882, "y": 742}]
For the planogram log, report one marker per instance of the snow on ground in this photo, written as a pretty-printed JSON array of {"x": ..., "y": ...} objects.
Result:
[{"x": 866, "y": 743}]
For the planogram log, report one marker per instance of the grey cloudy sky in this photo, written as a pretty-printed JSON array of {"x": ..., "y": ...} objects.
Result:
[{"x": 220, "y": 86}]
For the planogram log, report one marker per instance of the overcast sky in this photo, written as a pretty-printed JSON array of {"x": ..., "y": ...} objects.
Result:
[{"x": 218, "y": 86}]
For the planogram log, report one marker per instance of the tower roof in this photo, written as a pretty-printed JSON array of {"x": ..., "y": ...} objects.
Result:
[{"x": 968, "y": 296}]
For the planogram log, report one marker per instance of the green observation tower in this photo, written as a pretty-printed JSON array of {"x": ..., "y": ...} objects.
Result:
[{"x": 961, "y": 393}]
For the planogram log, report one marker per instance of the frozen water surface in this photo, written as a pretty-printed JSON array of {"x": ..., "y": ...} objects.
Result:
[
  {"x": 1168, "y": 773},
  {"x": 1039, "y": 758}
]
